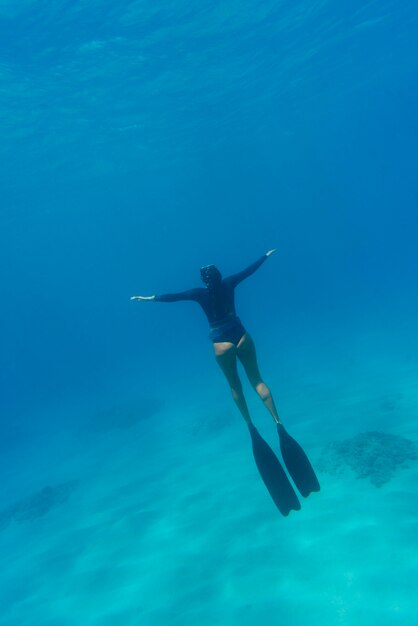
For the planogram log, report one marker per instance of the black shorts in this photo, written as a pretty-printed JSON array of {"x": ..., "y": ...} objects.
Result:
[{"x": 231, "y": 330}]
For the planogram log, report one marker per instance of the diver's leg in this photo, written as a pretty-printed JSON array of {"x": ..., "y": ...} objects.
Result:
[
  {"x": 247, "y": 355},
  {"x": 271, "y": 471},
  {"x": 296, "y": 461},
  {"x": 226, "y": 356}
]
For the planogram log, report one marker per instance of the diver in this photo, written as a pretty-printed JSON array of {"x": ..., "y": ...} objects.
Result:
[{"x": 231, "y": 340}]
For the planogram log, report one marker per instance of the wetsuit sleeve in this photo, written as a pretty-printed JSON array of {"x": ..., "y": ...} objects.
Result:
[
  {"x": 191, "y": 294},
  {"x": 235, "y": 279}
]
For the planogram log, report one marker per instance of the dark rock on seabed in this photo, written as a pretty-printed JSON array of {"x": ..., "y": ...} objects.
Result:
[
  {"x": 38, "y": 504},
  {"x": 372, "y": 455},
  {"x": 122, "y": 417}
]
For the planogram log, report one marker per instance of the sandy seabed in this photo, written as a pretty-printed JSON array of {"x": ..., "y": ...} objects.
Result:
[{"x": 166, "y": 521}]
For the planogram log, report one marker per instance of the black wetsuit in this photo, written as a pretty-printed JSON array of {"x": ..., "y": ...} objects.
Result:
[{"x": 218, "y": 304}]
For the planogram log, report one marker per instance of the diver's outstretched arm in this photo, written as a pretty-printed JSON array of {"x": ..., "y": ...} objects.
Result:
[
  {"x": 235, "y": 279},
  {"x": 190, "y": 294},
  {"x": 142, "y": 298}
]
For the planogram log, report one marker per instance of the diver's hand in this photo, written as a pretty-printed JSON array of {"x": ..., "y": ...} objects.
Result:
[
  {"x": 142, "y": 298},
  {"x": 270, "y": 252}
]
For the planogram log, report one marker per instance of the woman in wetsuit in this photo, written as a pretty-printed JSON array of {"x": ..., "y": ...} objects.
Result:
[
  {"x": 231, "y": 340},
  {"x": 229, "y": 337}
]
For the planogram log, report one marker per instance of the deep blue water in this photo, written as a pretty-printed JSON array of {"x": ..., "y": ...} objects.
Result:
[{"x": 141, "y": 140}]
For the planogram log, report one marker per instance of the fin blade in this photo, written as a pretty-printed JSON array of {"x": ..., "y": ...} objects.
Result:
[
  {"x": 273, "y": 475},
  {"x": 297, "y": 463}
]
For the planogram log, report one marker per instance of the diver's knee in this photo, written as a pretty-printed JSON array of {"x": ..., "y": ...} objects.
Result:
[
  {"x": 236, "y": 390},
  {"x": 263, "y": 391},
  {"x": 267, "y": 397}
]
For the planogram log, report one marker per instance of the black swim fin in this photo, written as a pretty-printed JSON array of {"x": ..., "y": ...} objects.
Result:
[
  {"x": 297, "y": 463},
  {"x": 273, "y": 474}
]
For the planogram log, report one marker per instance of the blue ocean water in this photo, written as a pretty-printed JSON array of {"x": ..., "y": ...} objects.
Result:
[{"x": 140, "y": 141}]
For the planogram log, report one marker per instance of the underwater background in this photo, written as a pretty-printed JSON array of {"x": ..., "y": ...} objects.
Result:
[{"x": 140, "y": 141}]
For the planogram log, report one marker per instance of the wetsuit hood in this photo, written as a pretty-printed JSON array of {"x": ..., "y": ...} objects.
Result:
[{"x": 210, "y": 275}]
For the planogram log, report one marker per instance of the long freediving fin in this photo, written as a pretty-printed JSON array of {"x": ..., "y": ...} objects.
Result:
[
  {"x": 273, "y": 475},
  {"x": 297, "y": 463}
]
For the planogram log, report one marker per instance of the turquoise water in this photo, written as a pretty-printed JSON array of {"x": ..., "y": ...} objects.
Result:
[{"x": 139, "y": 141}]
